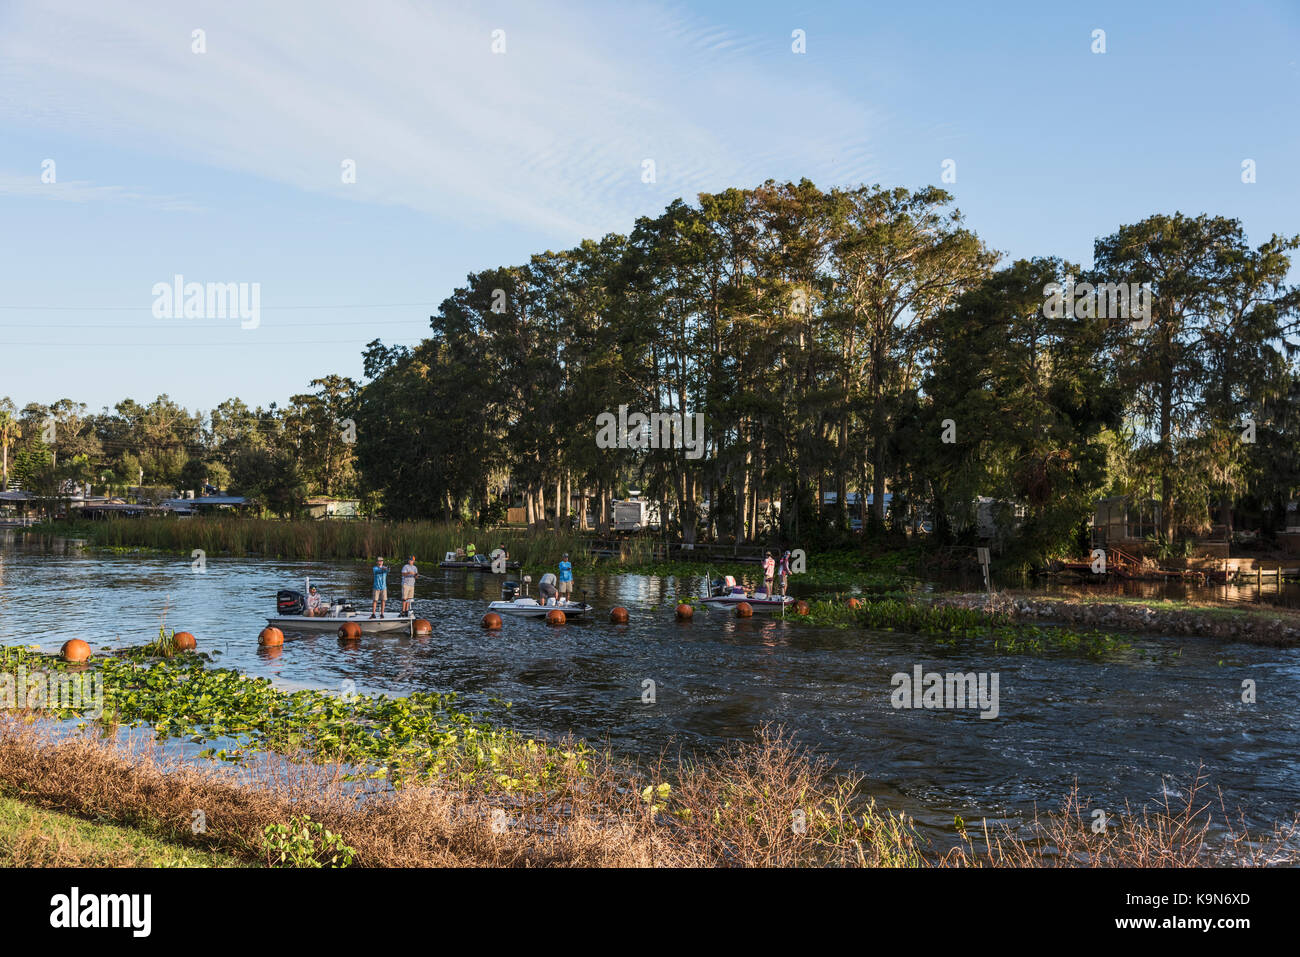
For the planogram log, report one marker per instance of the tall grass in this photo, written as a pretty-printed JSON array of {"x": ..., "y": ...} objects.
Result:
[{"x": 307, "y": 540}]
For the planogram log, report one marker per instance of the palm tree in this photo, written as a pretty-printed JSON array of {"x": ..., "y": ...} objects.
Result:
[{"x": 9, "y": 434}]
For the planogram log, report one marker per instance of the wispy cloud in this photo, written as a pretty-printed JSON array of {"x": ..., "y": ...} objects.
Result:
[
  {"x": 30, "y": 186},
  {"x": 551, "y": 134}
]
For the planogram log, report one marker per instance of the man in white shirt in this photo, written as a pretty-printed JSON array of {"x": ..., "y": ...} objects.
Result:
[{"x": 409, "y": 574}]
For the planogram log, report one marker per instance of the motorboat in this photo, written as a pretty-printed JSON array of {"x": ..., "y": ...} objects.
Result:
[
  {"x": 479, "y": 563},
  {"x": 725, "y": 593},
  {"x": 522, "y": 606},
  {"x": 291, "y": 605}
]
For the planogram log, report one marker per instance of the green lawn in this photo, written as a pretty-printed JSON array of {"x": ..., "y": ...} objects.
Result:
[{"x": 34, "y": 837}]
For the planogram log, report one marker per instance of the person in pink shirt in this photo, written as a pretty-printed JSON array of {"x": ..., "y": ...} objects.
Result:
[{"x": 769, "y": 572}]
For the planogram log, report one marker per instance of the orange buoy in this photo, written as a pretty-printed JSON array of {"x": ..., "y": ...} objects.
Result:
[
  {"x": 743, "y": 610},
  {"x": 184, "y": 641},
  {"x": 854, "y": 603},
  {"x": 349, "y": 631},
  {"x": 556, "y": 617},
  {"x": 74, "y": 649},
  {"x": 685, "y": 612},
  {"x": 491, "y": 621},
  {"x": 801, "y": 607},
  {"x": 422, "y": 626},
  {"x": 271, "y": 636},
  {"x": 618, "y": 615}
]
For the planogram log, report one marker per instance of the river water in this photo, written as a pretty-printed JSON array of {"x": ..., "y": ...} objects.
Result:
[{"x": 1130, "y": 730}]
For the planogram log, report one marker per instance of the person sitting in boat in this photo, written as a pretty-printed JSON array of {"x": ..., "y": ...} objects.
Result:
[
  {"x": 380, "y": 600},
  {"x": 566, "y": 579},
  {"x": 314, "y": 609},
  {"x": 546, "y": 589}
]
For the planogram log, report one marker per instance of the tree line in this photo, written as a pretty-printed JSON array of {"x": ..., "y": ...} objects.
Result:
[
  {"x": 854, "y": 340},
  {"x": 844, "y": 347},
  {"x": 275, "y": 455}
]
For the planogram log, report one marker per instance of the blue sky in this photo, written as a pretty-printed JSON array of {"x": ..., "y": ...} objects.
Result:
[{"x": 225, "y": 166}]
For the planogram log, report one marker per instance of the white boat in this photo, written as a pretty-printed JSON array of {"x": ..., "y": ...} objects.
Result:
[
  {"x": 368, "y": 625},
  {"x": 531, "y": 608},
  {"x": 727, "y": 595},
  {"x": 522, "y": 606},
  {"x": 292, "y": 604}
]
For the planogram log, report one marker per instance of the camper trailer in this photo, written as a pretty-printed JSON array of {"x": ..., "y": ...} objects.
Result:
[{"x": 635, "y": 515}]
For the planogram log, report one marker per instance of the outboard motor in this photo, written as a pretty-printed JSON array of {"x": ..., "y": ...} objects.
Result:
[
  {"x": 290, "y": 602},
  {"x": 509, "y": 590}
]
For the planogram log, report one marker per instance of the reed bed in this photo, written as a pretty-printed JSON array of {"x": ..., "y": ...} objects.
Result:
[{"x": 306, "y": 540}]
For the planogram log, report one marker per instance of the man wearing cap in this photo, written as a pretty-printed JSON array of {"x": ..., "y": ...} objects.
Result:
[
  {"x": 380, "y": 576},
  {"x": 409, "y": 574},
  {"x": 566, "y": 578}
]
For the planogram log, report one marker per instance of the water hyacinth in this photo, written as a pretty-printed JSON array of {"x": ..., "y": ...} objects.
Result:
[
  {"x": 952, "y": 625},
  {"x": 420, "y": 735}
]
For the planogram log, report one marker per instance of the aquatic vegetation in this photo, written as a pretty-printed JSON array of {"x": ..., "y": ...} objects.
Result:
[
  {"x": 420, "y": 735},
  {"x": 953, "y": 626},
  {"x": 304, "y": 843},
  {"x": 164, "y": 646},
  {"x": 308, "y": 540}
]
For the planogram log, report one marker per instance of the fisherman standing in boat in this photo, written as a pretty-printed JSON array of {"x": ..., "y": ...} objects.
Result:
[
  {"x": 469, "y": 551},
  {"x": 769, "y": 572},
  {"x": 546, "y": 588},
  {"x": 785, "y": 570},
  {"x": 380, "y": 599},
  {"x": 566, "y": 578},
  {"x": 409, "y": 574}
]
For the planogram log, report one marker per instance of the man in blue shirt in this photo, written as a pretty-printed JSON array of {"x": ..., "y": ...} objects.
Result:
[
  {"x": 380, "y": 574},
  {"x": 566, "y": 578}
]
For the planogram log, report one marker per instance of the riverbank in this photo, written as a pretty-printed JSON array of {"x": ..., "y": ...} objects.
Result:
[
  {"x": 1266, "y": 625},
  {"x": 304, "y": 540},
  {"x": 535, "y": 550},
  {"x": 32, "y": 836},
  {"x": 395, "y": 787}
]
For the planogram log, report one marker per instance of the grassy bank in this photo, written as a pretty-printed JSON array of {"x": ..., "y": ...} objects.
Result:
[
  {"x": 35, "y": 837},
  {"x": 762, "y": 804},
  {"x": 413, "y": 782}
]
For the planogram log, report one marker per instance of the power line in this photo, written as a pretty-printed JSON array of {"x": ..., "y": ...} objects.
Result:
[
  {"x": 356, "y": 305},
  {"x": 68, "y": 343},
  {"x": 193, "y": 324}
]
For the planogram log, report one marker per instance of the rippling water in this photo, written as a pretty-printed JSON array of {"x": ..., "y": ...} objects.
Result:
[{"x": 1128, "y": 730}]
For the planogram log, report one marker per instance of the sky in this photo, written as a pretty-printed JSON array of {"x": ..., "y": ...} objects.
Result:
[{"x": 134, "y": 150}]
